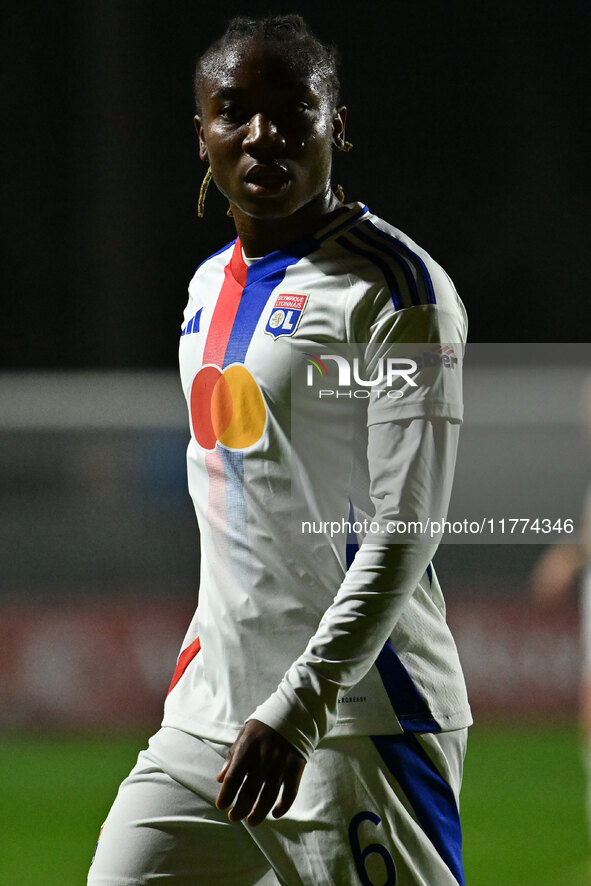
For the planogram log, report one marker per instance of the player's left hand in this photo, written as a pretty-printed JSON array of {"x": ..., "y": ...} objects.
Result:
[{"x": 260, "y": 764}]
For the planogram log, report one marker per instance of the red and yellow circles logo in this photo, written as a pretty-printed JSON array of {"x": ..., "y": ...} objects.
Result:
[{"x": 227, "y": 407}]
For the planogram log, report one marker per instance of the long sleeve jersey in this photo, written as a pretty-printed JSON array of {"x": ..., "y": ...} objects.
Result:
[{"x": 312, "y": 432}]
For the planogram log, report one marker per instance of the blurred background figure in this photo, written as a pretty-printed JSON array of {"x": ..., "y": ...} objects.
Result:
[{"x": 561, "y": 572}]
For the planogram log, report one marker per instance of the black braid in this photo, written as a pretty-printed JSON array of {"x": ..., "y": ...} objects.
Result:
[{"x": 295, "y": 38}]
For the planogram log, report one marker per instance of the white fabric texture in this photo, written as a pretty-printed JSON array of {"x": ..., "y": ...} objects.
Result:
[
  {"x": 164, "y": 828},
  {"x": 286, "y": 633}
]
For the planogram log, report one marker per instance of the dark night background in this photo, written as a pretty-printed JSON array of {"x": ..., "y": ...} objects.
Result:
[{"x": 468, "y": 122}]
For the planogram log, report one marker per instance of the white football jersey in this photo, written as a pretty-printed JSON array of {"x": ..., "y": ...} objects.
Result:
[{"x": 303, "y": 633}]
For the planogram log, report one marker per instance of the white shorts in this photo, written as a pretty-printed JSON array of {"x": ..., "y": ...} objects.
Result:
[{"x": 370, "y": 811}]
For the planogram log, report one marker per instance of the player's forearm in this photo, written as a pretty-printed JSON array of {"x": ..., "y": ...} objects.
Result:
[
  {"x": 349, "y": 638},
  {"x": 411, "y": 467}
]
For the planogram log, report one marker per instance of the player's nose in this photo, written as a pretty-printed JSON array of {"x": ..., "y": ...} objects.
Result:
[{"x": 263, "y": 136}]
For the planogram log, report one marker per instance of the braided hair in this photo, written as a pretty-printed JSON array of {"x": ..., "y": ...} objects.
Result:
[
  {"x": 294, "y": 38},
  {"x": 291, "y": 33}
]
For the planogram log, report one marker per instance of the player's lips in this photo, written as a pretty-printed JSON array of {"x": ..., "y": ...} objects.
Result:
[{"x": 267, "y": 178}]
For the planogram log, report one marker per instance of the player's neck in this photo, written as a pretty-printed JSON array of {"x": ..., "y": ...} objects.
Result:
[{"x": 261, "y": 236}]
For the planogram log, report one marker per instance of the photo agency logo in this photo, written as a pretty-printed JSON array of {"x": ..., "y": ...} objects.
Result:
[
  {"x": 343, "y": 376},
  {"x": 334, "y": 375}
]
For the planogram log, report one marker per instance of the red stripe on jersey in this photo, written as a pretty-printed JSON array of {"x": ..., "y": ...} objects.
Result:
[
  {"x": 217, "y": 518},
  {"x": 225, "y": 309},
  {"x": 216, "y": 501},
  {"x": 185, "y": 659}
]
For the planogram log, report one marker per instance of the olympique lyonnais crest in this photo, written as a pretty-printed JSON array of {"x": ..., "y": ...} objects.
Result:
[{"x": 286, "y": 314}]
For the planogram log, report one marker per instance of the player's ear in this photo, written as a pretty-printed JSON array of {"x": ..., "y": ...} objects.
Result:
[
  {"x": 339, "y": 120},
  {"x": 201, "y": 136}
]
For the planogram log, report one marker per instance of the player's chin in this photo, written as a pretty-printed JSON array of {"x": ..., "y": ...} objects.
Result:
[{"x": 268, "y": 204}]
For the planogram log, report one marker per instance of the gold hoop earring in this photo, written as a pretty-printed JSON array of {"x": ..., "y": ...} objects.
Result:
[
  {"x": 339, "y": 193},
  {"x": 203, "y": 191},
  {"x": 345, "y": 147}
]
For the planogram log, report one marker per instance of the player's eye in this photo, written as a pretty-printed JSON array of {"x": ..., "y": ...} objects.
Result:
[
  {"x": 230, "y": 113},
  {"x": 296, "y": 108}
]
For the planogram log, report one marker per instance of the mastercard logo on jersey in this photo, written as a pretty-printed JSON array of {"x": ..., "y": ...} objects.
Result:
[
  {"x": 286, "y": 314},
  {"x": 227, "y": 407}
]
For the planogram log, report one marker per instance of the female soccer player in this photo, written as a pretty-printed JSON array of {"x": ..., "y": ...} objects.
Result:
[{"x": 315, "y": 727}]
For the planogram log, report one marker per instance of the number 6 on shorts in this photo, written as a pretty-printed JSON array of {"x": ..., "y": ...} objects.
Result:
[{"x": 360, "y": 855}]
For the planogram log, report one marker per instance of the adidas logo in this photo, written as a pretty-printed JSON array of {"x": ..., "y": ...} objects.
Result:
[{"x": 192, "y": 325}]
